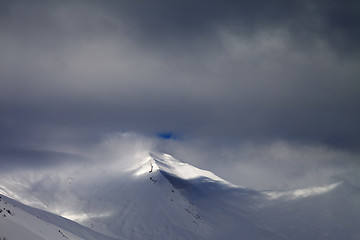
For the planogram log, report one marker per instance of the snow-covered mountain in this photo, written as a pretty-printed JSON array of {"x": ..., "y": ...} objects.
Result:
[
  {"x": 18, "y": 221},
  {"x": 163, "y": 198}
]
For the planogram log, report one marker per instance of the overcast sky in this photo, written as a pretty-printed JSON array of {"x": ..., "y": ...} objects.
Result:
[{"x": 226, "y": 79}]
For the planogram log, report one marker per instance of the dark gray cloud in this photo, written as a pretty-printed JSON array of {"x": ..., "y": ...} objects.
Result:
[
  {"x": 237, "y": 71},
  {"x": 12, "y": 158}
]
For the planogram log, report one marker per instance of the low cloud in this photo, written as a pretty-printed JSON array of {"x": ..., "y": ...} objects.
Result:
[
  {"x": 267, "y": 166},
  {"x": 274, "y": 165}
]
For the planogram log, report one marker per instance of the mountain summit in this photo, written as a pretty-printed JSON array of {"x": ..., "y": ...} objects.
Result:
[
  {"x": 169, "y": 165},
  {"x": 161, "y": 197}
]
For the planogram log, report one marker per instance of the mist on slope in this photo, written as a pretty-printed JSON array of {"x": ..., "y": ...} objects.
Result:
[{"x": 274, "y": 165}]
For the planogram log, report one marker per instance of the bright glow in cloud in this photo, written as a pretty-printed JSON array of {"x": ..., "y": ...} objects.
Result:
[{"x": 302, "y": 193}]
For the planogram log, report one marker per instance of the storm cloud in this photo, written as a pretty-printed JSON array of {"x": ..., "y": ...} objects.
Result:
[{"x": 229, "y": 72}]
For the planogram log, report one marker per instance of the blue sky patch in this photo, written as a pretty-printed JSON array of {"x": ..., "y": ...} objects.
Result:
[{"x": 166, "y": 135}]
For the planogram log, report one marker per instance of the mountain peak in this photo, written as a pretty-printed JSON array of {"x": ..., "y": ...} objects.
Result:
[{"x": 166, "y": 163}]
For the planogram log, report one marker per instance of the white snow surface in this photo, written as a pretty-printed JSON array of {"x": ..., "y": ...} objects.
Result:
[
  {"x": 171, "y": 165},
  {"x": 18, "y": 221},
  {"x": 164, "y": 198}
]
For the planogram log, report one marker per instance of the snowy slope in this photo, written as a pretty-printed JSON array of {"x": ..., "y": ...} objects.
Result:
[
  {"x": 163, "y": 198},
  {"x": 330, "y": 212},
  {"x": 18, "y": 221}
]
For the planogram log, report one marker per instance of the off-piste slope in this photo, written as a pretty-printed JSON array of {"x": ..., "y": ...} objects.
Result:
[
  {"x": 18, "y": 221},
  {"x": 161, "y": 197}
]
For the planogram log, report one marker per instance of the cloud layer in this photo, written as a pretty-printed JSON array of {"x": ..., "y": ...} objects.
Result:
[{"x": 235, "y": 72}]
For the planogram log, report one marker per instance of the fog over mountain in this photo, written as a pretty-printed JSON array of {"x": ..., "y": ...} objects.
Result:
[
  {"x": 237, "y": 78},
  {"x": 161, "y": 197}
]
